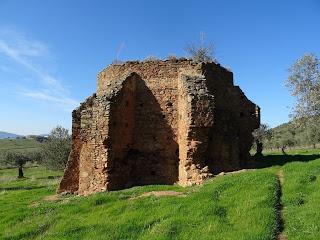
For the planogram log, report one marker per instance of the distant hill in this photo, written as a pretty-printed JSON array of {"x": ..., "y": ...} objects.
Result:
[
  {"x": 290, "y": 135},
  {"x": 44, "y": 135},
  {"x": 4, "y": 135}
]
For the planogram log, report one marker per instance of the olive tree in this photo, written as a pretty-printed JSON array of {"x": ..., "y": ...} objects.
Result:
[
  {"x": 56, "y": 149},
  {"x": 312, "y": 131},
  {"x": 304, "y": 84},
  {"x": 287, "y": 140},
  {"x": 260, "y": 135},
  {"x": 19, "y": 159}
]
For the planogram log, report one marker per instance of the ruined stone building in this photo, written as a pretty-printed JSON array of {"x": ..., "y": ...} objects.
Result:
[{"x": 159, "y": 122}]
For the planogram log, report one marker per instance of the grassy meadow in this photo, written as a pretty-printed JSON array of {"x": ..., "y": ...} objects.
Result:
[
  {"x": 18, "y": 144},
  {"x": 242, "y": 205}
]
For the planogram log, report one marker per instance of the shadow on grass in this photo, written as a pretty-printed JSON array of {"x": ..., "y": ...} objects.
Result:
[
  {"x": 21, "y": 188},
  {"x": 280, "y": 160}
]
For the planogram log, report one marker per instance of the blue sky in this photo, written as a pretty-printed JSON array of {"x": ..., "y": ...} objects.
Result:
[{"x": 51, "y": 51}]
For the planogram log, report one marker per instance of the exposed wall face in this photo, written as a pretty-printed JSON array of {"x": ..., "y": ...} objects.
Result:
[
  {"x": 235, "y": 116},
  {"x": 160, "y": 122}
]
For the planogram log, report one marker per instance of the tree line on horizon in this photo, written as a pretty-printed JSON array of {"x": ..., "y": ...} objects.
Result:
[{"x": 286, "y": 136}]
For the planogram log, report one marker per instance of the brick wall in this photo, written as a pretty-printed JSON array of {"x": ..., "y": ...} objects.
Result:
[{"x": 174, "y": 121}]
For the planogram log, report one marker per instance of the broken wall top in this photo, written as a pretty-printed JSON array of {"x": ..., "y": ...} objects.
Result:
[{"x": 156, "y": 72}]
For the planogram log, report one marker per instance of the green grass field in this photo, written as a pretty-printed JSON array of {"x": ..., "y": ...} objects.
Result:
[
  {"x": 235, "y": 206},
  {"x": 18, "y": 144}
]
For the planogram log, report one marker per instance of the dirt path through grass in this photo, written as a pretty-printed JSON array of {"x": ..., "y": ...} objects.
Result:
[{"x": 279, "y": 206}]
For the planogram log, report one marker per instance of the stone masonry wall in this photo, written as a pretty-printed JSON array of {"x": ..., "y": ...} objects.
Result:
[
  {"x": 159, "y": 122},
  {"x": 196, "y": 106}
]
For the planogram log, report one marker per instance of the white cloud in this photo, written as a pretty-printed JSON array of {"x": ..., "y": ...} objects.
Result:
[
  {"x": 23, "y": 51},
  {"x": 69, "y": 103},
  {"x": 22, "y": 46}
]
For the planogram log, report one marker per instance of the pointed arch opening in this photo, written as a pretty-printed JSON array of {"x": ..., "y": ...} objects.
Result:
[{"x": 141, "y": 142}]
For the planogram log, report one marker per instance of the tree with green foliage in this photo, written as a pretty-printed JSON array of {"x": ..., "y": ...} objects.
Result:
[
  {"x": 304, "y": 84},
  {"x": 287, "y": 140},
  {"x": 260, "y": 135},
  {"x": 56, "y": 149},
  {"x": 312, "y": 131},
  {"x": 19, "y": 159}
]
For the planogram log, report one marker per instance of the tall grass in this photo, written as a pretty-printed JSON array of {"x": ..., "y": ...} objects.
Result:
[
  {"x": 301, "y": 198},
  {"x": 234, "y": 206},
  {"x": 239, "y": 206}
]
